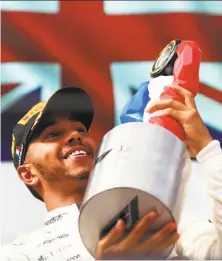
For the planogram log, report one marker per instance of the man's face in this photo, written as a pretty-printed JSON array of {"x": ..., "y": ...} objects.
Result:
[{"x": 62, "y": 151}]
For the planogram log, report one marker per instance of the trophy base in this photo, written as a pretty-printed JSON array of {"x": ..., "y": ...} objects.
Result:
[{"x": 101, "y": 213}]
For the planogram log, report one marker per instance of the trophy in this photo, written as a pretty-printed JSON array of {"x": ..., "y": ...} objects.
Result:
[{"x": 142, "y": 165}]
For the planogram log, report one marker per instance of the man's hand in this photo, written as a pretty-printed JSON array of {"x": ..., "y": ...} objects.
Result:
[
  {"x": 197, "y": 135},
  {"x": 132, "y": 246}
]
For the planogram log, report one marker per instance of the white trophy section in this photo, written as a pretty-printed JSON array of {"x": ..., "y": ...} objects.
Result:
[{"x": 155, "y": 88}]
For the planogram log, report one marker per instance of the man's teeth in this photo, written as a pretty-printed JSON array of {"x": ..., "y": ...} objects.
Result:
[{"x": 77, "y": 152}]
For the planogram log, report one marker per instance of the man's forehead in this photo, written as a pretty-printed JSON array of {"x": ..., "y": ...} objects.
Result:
[{"x": 54, "y": 119}]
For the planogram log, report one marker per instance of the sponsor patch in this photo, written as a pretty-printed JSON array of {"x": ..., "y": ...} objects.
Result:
[{"x": 36, "y": 109}]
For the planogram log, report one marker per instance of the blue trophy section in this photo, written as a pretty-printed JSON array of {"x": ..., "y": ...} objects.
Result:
[{"x": 134, "y": 109}]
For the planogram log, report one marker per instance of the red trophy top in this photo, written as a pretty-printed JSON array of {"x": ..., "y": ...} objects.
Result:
[{"x": 180, "y": 59}]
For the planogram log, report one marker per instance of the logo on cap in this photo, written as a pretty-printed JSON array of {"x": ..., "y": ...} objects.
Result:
[{"x": 18, "y": 153}]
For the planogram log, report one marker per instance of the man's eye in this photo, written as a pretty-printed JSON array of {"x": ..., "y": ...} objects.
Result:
[
  {"x": 82, "y": 130},
  {"x": 52, "y": 134}
]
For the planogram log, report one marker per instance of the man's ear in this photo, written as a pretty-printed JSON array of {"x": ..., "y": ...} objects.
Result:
[{"x": 28, "y": 175}]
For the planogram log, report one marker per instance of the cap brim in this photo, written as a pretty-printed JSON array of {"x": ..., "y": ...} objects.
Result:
[{"x": 72, "y": 101}]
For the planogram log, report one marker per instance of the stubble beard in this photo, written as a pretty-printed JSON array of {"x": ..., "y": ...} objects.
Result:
[{"x": 53, "y": 174}]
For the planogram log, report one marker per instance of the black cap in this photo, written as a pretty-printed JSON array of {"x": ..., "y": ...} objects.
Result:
[{"x": 71, "y": 100}]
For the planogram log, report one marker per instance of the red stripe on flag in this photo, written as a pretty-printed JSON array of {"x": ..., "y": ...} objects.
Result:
[
  {"x": 211, "y": 93},
  {"x": 5, "y": 88}
]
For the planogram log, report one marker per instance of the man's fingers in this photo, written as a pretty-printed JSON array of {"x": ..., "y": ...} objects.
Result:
[
  {"x": 158, "y": 238},
  {"x": 167, "y": 243},
  {"x": 174, "y": 114},
  {"x": 139, "y": 230},
  {"x": 187, "y": 95},
  {"x": 164, "y": 104},
  {"x": 114, "y": 235}
]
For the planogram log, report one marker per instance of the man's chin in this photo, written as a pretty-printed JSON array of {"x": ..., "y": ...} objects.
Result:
[{"x": 83, "y": 175}]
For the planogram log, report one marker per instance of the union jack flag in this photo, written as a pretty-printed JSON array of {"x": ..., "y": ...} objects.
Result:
[{"x": 105, "y": 47}]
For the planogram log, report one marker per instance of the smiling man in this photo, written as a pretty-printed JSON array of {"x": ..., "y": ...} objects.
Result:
[
  {"x": 51, "y": 149},
  {"x": 60, "y": 156},
  {"x": 53, "y": 155}
]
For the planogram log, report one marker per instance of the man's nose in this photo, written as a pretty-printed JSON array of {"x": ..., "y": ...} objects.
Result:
[{"x": 73, "y": 138}]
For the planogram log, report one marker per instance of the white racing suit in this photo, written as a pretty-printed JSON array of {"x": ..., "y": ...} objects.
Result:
[
  {"x": 200, "y": 238},
  {"x": 59, "y": 240}
]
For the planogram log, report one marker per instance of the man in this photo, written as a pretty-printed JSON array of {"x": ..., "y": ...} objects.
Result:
[
  {"x": 53, "y": 155},
  {"x": 54, "y": 160}
]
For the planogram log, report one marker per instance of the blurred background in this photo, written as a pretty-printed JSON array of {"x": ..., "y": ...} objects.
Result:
[{"x": 107, "y": 48}]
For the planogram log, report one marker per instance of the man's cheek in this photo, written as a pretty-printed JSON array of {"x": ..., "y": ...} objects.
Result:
[
  {"x": 46, "y": 154},
  {"x": 92, "y": 144}
]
